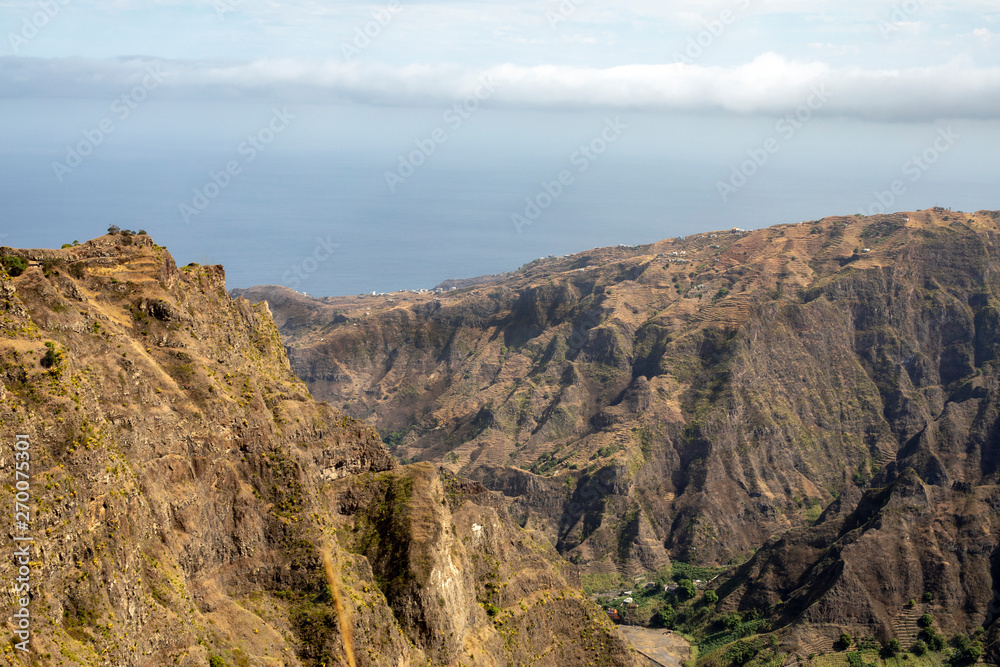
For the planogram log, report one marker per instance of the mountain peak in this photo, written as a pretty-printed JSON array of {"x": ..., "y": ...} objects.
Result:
[
  {"x": 184, "y": 486},
  {"x": 828, "y": 382}
]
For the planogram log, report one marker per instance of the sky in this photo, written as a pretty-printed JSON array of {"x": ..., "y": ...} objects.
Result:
[
  {"x": 769, "y": 110},
  {"x": 885, "y": 60}
]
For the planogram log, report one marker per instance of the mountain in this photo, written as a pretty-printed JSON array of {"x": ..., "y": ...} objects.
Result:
[
  {"x": 814, "y": 405},
  {"x": 189, "y": 503}
]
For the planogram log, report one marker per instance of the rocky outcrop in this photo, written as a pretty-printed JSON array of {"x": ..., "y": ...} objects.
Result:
[
  {"x": 463, "y": 579},
  {"x": 809, "y": 397},
  {"x": 184, "y": 486}
]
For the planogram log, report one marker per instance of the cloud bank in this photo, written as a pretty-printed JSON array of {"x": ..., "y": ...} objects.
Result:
[{"x": 768, "y": 85}]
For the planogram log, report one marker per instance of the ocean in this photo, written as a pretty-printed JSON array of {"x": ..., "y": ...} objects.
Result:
[{"x": 327, "y": 222}]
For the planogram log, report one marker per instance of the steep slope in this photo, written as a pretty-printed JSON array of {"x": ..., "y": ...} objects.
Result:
[
  {"x": 697, "y": 397},
  {"x": 183, "y": 486}
]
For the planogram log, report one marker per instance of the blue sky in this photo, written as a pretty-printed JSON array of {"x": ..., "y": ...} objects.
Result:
[
  {"x": 568, "y": 53},
  {"x": 485, "y": 32},
  {"x": 835, "y": 100}
]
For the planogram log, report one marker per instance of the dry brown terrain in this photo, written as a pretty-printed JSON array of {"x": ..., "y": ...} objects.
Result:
[
  {"x": 661, "y": 647},
  {"x": 819, "y": 398},
  {"x": 184, "y": 485}
]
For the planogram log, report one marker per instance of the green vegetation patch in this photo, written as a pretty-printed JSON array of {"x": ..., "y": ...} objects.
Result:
[
  {"x": 315, "y": 623},
  {"x": 13, "y": 265},
  {"x": 382, "y": 533},
  {"x": 603, "y": 583},
  {"x": 680, "y": 571},
  {"x": 734, "y": 627},
  {"x": 394, "y": 439}
]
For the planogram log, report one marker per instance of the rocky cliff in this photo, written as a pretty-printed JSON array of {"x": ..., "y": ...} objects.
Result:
[
  {"x": 183, "y": 487},
  {"x": 817, "y": 398}
]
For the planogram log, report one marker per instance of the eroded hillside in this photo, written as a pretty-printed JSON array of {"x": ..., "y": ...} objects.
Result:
[
  {"x": 825, "y": 390},
  {"x": 184, "y": 485}
]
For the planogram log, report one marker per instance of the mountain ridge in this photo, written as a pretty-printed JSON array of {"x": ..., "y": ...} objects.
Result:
[
  {"x": 712, "y": 399},
  {"x": 184, "y": 487}
]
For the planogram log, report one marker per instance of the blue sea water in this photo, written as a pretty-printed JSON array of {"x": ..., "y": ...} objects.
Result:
[{"x": 451, "y": 219}]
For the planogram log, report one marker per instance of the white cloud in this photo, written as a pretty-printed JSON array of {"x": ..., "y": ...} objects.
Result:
[
  {"x": 770, "y": 85},
  {"x": 983, "y": 34}
]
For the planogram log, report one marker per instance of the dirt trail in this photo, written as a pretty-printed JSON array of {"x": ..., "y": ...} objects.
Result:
[{"x": 661, "y": 647}]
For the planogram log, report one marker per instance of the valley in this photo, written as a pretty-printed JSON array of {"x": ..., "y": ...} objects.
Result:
[
  {"x": 811, "y": 407},
  {"x": 190, "y": 503}
]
